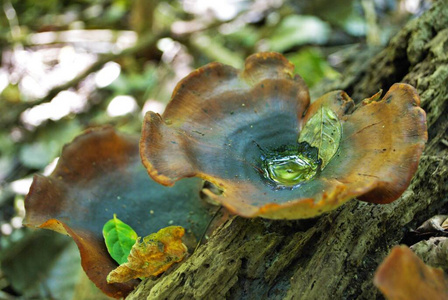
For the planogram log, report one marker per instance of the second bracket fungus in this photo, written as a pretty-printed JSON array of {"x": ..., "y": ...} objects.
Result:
[
  {"x": 254, "y": 134},
  {"x": 98, "y": 175}
]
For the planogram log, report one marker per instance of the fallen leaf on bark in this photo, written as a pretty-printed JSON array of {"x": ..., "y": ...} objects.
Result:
[{"x": 153, "y": 256}]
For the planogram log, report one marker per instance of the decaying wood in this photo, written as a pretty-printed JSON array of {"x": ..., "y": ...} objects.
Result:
[{"x": 333, "y": 256}]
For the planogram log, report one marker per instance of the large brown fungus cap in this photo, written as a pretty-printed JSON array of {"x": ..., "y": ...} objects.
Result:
[
  {"x": 246, "y": 132},
  {"x": 98, "y": 175}
]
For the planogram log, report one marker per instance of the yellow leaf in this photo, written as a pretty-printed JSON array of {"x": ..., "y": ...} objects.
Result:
[{"x": 154, "y": 255}]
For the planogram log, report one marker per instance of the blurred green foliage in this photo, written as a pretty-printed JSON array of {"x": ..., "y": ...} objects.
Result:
[
  {"x": 297, "y": 30},
  {"x": 311, "y": 64},
  {"x": 48, "y": 143}
]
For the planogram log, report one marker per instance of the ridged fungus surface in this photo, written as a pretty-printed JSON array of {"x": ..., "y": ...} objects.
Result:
[{"x": 254, "y": 134}]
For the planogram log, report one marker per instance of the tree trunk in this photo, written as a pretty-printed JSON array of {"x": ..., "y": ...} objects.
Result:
[{"x": 333, "y": 256}]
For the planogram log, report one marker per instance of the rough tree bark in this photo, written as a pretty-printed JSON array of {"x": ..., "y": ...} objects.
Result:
[{"x": 333, "y": 256}]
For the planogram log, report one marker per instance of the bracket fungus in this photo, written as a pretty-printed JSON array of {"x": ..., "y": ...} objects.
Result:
[
  {"x": 254, "y": 134},
  {"x": 98, "y": 175}
]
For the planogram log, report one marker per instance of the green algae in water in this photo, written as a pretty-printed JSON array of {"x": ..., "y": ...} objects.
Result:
[
  {"x": 290, "y": 170},
  {"x": 290, "y": 167}
]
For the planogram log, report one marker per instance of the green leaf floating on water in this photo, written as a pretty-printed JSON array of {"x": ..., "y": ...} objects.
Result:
[
  {"x": 323, "y": 131},
  {"x": 119, "y": 238}
]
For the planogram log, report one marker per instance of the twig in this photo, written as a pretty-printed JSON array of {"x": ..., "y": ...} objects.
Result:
[
  {"x": 143, "y": 43},
  {"x": 11, "y": 16},
  {"x": 207, "y": 227},
  {"x": 373, "y": 32}
]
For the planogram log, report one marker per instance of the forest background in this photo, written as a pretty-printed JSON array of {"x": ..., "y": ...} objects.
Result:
[{"x": 70, "y": 65}]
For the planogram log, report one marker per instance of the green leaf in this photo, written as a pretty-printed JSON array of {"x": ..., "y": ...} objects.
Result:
[
  {"x": 323, "y": 131},
  {"x": 119, "y": 238}
]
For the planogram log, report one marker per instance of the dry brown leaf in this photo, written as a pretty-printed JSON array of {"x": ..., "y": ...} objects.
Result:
[
  {"x": 154, "y": 255},
  {"x": 403, "y": 276}
]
